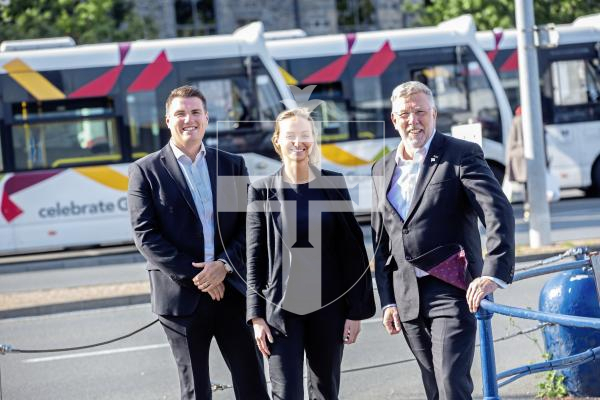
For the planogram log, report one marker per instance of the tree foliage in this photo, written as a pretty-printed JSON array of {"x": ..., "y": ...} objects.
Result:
[
  {"x": 86, "y": 21},
  {"x": 489, "y": 14}
]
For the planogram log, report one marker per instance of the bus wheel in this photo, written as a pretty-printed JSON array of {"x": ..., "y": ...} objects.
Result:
[
  {"x": 594, "y": 190},
  {"x": 497, "y": 170}
]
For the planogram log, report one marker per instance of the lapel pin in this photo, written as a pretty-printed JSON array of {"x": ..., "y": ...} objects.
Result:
[{"x": 434, "y": 158}]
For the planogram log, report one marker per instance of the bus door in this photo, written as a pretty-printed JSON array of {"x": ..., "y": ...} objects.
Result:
[{"x": 571, "y": 110}]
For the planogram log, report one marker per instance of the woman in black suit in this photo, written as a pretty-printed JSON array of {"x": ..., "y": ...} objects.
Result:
[{"x": 309, "y": 283}]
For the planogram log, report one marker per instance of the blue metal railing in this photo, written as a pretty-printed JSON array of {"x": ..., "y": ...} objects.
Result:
[
  {"x": 519, "y": 276},
  {"x": 488, "y": 308}
]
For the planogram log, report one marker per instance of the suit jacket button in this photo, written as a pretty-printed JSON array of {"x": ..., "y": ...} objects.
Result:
[
  {"x": 404, "y": 230},
  {"x": 408, "y": 258}
]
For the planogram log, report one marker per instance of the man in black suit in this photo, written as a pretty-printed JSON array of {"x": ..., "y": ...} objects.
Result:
[
  {"x": 427, "y": 198},
  {"x": 195, "y": 254}
]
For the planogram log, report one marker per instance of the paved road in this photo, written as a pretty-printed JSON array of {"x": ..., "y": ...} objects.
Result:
[
  {"x": 570, "y": 219},
  {"x": 141, "y": 367}
]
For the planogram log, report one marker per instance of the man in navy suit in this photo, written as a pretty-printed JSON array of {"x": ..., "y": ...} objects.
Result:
[
  {"x": 195, "y": 254},
  {"x": 427, "y": 198}
]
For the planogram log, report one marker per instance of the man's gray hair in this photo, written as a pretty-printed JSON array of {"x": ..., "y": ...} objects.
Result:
[{"x": 410, "y": 88}]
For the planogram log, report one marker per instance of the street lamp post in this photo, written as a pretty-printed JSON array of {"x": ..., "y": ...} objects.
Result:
[{"x": 533, "y": 130}]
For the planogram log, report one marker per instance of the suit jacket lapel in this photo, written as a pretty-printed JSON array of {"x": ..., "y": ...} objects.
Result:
[
  {"x": 430, "y": 164},
  {"x": 388, "y": 174},
  {"x": 172, "y": 167},
  {"x": 211, "y": 163},
  {"x": 275, "y": 194}
]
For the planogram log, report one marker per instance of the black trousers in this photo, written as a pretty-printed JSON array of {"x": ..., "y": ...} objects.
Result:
[
  {"x": 320, "y": 335},
  {"x": 442, "y": 340},
  {"x": 190, "y": 339}
]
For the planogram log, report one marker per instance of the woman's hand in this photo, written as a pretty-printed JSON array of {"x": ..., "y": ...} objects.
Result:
[
  {"x": 262, "y": 333},
  {"x": 351, "y": 331}
]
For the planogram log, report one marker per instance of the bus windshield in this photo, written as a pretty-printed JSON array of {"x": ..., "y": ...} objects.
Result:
[{"x": 61, "y": 133}]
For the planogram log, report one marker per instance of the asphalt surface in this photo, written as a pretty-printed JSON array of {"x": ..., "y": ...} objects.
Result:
[{"x": 379, "y": 366}]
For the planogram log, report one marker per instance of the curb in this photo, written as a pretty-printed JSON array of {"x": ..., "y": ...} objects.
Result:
[
  {"x": 76, "y": 306},
  {"x": 75, "y": 260}
]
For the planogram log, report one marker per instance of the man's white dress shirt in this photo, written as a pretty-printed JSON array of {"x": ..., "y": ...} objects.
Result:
[{"x": 198, "y": 181}]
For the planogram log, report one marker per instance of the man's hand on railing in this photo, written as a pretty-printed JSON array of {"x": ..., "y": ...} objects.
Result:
[{"x": 477, "y": 290}]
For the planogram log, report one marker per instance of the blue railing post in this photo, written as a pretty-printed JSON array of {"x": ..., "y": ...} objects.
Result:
[
  {"x": 488, "y": 308},
  {"x": 488, "y": 360}
]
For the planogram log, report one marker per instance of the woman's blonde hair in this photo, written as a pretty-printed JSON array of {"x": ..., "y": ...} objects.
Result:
[{"x": 315, "y": 155}]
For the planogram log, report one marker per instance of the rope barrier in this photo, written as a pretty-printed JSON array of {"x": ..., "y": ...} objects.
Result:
[
  {"x": 512, "y": 335},
  {"x": 7, "y": 348}
]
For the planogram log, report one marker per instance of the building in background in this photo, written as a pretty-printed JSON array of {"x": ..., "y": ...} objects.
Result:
[
  {"x": 162, "y": 13},
  {"x": 316, "y": 17}
]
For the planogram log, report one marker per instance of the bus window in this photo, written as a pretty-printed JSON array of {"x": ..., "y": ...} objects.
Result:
[
  {"x": 575, "y": 82},
  {"x": 64, "y": 133},
  {"x": 1, "y": 159},
  {"x": 463, "y": 95},
  {"x": 575, "y": 90},
  {"x": 269, "y": 101},
  {"x": 369, "y": 106},
  {"x": 449, "y": 91},
  {"x": 332, "y": 117},
  {"x": 510, "y": 82},
  {"x": 482, "y": 101},
  {"x": 230, "y": 103},
  {"x": 569, "y": 82},
  {"x": 447, "y": 82},
  {"x": 332, "y": 113},
  {"x": 593, "y": 80},
  {"x": 143, "y": 122}
]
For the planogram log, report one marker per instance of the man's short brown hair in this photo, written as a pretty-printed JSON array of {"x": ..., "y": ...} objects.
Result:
[{"x": 185, "y": 92}]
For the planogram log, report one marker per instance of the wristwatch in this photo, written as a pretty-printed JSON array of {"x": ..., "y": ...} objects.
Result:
[{"x": 227, "y": 266}]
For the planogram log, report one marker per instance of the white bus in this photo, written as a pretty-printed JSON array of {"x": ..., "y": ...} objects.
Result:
[
  {"x": 355, "y": 74},
  {"x": 72, "y": 118},
  {"x": 570, "y": 92}
]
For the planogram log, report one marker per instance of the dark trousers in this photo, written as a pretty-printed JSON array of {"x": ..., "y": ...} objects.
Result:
[
  {"x": 190, "y": 339},
  {"x": 443, "y": 340},
  {"x": 319, "y": 334}
]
